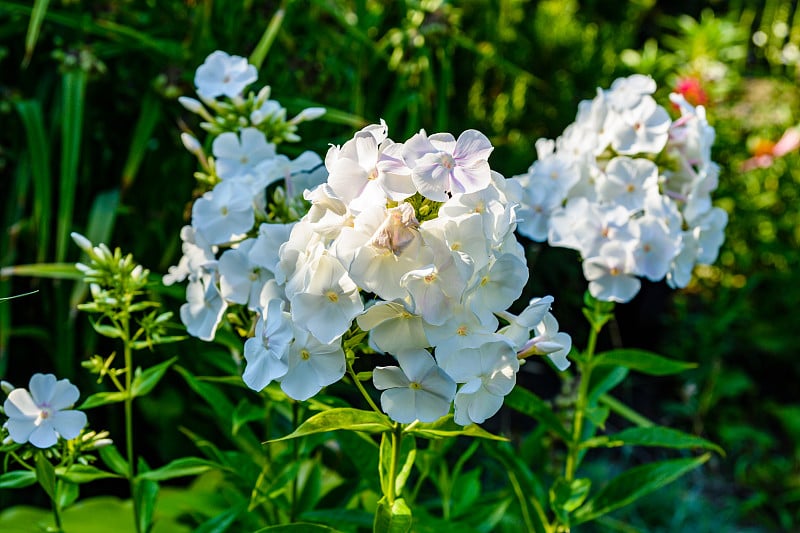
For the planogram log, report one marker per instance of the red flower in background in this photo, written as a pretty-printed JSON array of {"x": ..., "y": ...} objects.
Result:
[
  {"x": 765, "y": 151},
  {"x": 692, "y": 90}
]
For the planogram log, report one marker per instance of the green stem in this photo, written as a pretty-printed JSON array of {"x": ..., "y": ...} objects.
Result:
[
  {"x": 57, "y": 517},
  {"x": 397, "y": 438},
  {"x": 361, "y": 388},
  {"x": 585, "y": 368},
  {"x": 129, "y": 415},
  {"x": 295, "y": 457}
]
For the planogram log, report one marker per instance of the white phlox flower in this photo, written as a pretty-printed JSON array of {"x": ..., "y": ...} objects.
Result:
[
  {"x": 312, "y": 365},
  {"x": 224, "y": 213},
  {"x": 198, "y": 258},
  {"x": 240, "y": 278},
  {"x": 266, "y": 353},
  {"x": 223, "y": 75},
  {"x": 329, "y": 302},
  {"x": 611, "y": 273},
  {"x": 239, "y": 155},
  {"x": 392, "y": 327},
  {"x": 204, "y": 307},
  {"x": 416, "y": 390},
  {"x": 43, "y": 415},
  {"x": 548, "y": 341},
  {"x": 440, "y": 164},
  {"x": 488, "y": 373}
]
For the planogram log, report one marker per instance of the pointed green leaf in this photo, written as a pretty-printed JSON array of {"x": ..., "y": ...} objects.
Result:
[
  {"x": 113, "y": 459},
  {"x": 66, "y": 493},
  {"x": 102, "y": 398},
  {"x": 17, "y": 479},
  {"x": 446, "y": 427},
  {"x": 633, "y": 484},
  {"x": 46, "y": 475},
  {"x": 246, "y": 412},
  {"x": 598, "y": 415},
  {"x": 145, "y": 494},
  {"x": 185, "y": 466},
  {"x": 72, "y": 104},
  {"x": 43, "y": 270},
  {"x": 143, "y": 382},
  {"x": 605, "y": 379},
  {"x": 528, "y": 403},
  {"x": 264, "y": 44},
  {"x": 83, "y": 473},
  {"x": 341, "y": 418},
  {"x": 566, "y": 496},
  {"x": 34, "y": 25},
  {"x": 642, "y": 361},
  {"x": 653, "y": 436}
]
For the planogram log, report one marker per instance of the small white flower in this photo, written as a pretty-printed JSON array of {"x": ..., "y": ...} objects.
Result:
[
  {"x": 266, "y": 353},
  {"x": 204, "y": 307},
  {"x": 223, "y": 213},
  {"x": 416, "y": 390},
  {"x": 42, "y": 415},
  {"x": 239, "y": 155},
  {"x": 610, "y": 273},
  {"x": 223, "y": 74},
  {"x": 312, "y": 365}
]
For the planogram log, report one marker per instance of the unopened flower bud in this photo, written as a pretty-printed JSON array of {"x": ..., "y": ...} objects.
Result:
[
  {"x": 309, "y": 113},
  {"x": 191, "y": 105},
  {"x": 102, "y": 443},
  {"x": 6, "y": 387},
  {"x": 82, "y": 242},
  {"x": 191, "y": 144}
]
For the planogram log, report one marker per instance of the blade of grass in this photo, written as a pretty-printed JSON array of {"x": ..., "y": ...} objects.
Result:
[
  {"x": 103, "y": 28},
  {"x": 265, "y": 43},
  {"x": 35, "y": 24},
  {"x": 334, "y": 116},
  {"x": 73, "y": 99},
  {"x": 30, "y": 112},
  {"x": 145, "y": 124}
]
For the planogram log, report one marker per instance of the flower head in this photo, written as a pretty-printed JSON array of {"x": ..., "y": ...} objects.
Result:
[
  {"x": 42, "y": 415},
  {"x": 223, "y": 74}
]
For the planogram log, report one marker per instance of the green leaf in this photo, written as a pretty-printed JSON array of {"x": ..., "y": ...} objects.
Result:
[
  {"x": 298, "y": 527},
  {"x": 598, "y": 415},
  {"x": 652, "y": 436},
  {"x": 34, "y": 25},
  {"x": 43, "y": 270},
  {"x": 566, "y": 496},
  {"x": 642, "y": 361},
  {"x": 150, "y": 112},
  {"x": 633, "y": 484},
  {"x": 246, "y": 412},
  {"x": 143, "y": 382},
  {"x": 105, "y": 330},
  {"x": 46, "y": 475},
  {"x": 605, "y": 379},
  {"x": 83, "y": 473},
  {"x": 341, "y": 418},
  {"x": 145, "y": 494},
  {"x": 66, "y": 493},
  {"x": 113, "y": 459},
  {"x": 72, "y": 104},
  {"x": 528, "y": 403},
  {"x": 102, "y": 398},
  {"x": 446, "y": 427},
  {"x": 264, "y": 44},
  {"x": 185, "y": 466},
  {"x": 395, "y": 518},
  {"x": 17, "y": 479},
  {"x": 30, "y": 111}
]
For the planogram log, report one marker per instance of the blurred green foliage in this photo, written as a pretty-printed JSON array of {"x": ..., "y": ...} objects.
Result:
[{"x": 90, "y": 143}]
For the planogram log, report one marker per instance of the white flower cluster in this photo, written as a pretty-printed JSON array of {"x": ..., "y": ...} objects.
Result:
[
  {"x": 230, "y": 248},
  {"x": 629, "y": 188},
  {"x": 415, "y": 243}
]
